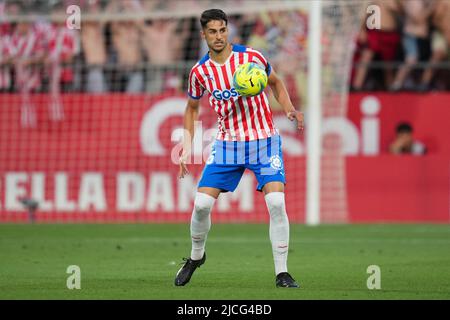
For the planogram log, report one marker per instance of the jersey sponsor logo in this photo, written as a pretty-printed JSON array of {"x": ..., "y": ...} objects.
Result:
[{"x": 224, "y": 94}]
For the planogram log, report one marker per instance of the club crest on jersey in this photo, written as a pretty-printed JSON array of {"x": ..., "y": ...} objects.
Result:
[
  {"x": 224, "y": 94},
  {"x": 276, "y": 162}
]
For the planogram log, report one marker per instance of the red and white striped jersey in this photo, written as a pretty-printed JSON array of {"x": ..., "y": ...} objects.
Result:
[
  {"x": 5, "y": 53},
  {"x": 61, "y": 43},
  {"x": 240, "y": 118},
  {"x": 61, "y": 47},
  {"x": 5, "y": 47},
  {"x": 25, "y": 46}
]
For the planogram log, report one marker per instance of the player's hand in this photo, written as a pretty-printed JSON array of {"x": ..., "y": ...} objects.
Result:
[
  {"x": 183, "y": 166},
  {"x": 297, "y": 115}
]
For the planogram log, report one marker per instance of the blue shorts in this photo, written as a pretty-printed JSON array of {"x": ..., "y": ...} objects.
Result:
[{"x": 229, "y": 159}]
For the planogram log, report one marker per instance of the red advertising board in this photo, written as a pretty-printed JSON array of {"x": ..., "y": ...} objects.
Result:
[{"x": 111, "y": 160}]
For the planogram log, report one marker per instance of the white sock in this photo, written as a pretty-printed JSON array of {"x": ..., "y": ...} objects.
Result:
[
  {"x": 200, "y": 223},
  {"x": 279, "y": 230}
]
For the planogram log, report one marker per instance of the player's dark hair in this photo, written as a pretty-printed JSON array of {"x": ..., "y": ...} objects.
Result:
[
  {"x": 404, "y": 127},
  {"x": 213, "y": 14}
]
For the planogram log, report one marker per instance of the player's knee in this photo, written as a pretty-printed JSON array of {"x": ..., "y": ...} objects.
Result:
[
  {"x": 202, "y": 209},
  {"x": 276, "y": 203},
  {"x": 275, "y": 200},
  {"x": 203, "y": 204},
  {"x": 277, "y": 207}
]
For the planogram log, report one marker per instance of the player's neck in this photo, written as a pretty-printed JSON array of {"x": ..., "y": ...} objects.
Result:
[{"x": 221, "y": 57}]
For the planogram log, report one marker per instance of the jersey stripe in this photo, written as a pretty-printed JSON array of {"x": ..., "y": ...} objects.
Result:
[
  {"x": 260, "y": 114},
  {"x": 258, "y": 56},
  {"x": 228, "y": 113},
  {"x": 268, "y": 112},
  {"x": 254, "y": 118},
  {"x": 265, "y": 116},
  {"x": 242, "y": 119},
  {"x": 196, "y": 77},
  {"x": 247, "y": 120},
  {"x": 257, "y": 109}
]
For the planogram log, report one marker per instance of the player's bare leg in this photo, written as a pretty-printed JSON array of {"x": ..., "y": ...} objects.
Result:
[
  {"x": 361, "y": 72},
  {"x": 200, "y": 225},
  {"x": 279, "y": 232}
]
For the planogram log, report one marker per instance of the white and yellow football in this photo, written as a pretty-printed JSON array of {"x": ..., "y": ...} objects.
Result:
[{"x": 249, "y": 79}]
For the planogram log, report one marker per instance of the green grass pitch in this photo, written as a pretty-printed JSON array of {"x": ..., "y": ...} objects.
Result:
[{"x": 140, "y": 261}]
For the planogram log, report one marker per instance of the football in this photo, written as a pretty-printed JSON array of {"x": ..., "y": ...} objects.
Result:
[{"x": 249, "y": 79}]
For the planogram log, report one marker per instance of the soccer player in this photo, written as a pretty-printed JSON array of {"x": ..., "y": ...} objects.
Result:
[{"x": 247, "y": 139}]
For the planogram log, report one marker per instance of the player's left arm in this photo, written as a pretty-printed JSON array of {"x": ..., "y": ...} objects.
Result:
[{"x": 282, "y": 96}]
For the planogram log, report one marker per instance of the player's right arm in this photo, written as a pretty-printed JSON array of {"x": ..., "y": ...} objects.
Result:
[{"x": 190, "y": 116}]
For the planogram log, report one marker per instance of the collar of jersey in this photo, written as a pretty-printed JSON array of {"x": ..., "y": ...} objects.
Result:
[{"x": 226, "y": 60}]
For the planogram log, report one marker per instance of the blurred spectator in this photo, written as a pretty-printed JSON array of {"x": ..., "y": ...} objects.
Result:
[
  {"x": 405, "y": 143},
  {"x": 61, "y": 48},
  {"x": 416, "y": 37},
  {"x": 257, "y": 38},
  {"x": 441, "y": 18},
  {"x": 94, "y": 48},
  {"x": 278, "y": 35},
  {"x": 5, "y": 72},
  {"x": 288, "y": 58},
  {"x": 267, "y": 34},
  {"x": 380, "y": 44},
  {"x": 126, "y": 42},
  {"x": 439, "y": 49},
  {"x": 162, "y": 41},
  {"x": 5, "y": 45},
  {"x": 441, "y": 21},
  {"x": 5, "y": 60},
  {"x": 28, "y": 54}
]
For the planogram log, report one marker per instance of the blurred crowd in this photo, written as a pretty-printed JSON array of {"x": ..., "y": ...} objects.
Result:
[
  {"x": 155, "y": 55},
  {"x": 410, "y": 51},
  {"x": 121, "y": 55}
]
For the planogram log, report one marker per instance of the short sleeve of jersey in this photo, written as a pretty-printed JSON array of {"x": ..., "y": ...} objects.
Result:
[
  {"x": 259, "y": 58},
  {"x": 195, "y": 88}
]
